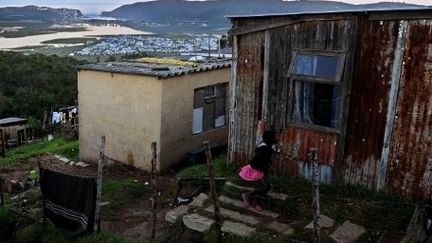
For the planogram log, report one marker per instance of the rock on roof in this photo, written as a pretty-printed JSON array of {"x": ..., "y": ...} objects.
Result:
[{"x": 12, "y": 121}]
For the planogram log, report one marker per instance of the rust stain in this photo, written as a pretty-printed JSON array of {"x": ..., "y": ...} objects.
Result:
[
  {"x": 369, "y": 97},
  {"x": 410, "y": 162},
  {"x": 297, "y": 142}
]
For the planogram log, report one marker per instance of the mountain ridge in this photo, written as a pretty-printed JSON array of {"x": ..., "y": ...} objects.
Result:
[
  {"x": 213, "y": 12},
  {"x": 36, "y": 13}
]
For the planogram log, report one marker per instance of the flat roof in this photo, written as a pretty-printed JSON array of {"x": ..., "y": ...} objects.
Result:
[
  {"x": 153, "y": 70},
  {"x": 12, "y": 121},
  {"x": 343, "y": 11}
]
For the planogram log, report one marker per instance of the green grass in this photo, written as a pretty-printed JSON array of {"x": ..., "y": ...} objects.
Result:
[
  {"x": 120, "y": 192},
  {"x": 59, "y": 145},
  {"x": 220, "y": 168}
]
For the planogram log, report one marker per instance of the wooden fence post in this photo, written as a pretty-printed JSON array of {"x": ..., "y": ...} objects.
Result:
[
  {"x": 99, "y": 185},
  {"x": 1, "y": 193},
  {"x": 154, "y": 188},
  {"x": 315, "y": 193},
  {"x": 2, "y": 144},
  {"x": 212, "y": 183}
]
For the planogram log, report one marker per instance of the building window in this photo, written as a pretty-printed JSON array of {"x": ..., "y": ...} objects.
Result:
[
  {"x": 316, "y": 90},
  {"x": 209, "y": 108}
]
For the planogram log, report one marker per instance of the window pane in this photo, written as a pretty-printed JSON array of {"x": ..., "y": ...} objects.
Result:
[
  {"x": 316, "y": 65},
  {"x": 316, "y": 103},
  {"x": 197, "y": 125}
]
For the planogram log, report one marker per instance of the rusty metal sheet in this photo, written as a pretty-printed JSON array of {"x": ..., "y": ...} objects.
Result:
[
  {"x": 410, "y": 161},
  {"x": 296, "y": 142},
  {"x": 369, "y": 96}
]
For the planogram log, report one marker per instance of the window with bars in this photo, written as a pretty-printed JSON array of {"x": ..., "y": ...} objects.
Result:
[
  {"x": 316, "y": 87},
  {"x": 209, "y": 108}
]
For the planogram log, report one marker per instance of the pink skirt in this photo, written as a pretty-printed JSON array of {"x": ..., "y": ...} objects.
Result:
[{"x": 248, "y": 173}]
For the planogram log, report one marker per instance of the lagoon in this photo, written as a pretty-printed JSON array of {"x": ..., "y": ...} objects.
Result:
[{"x": 91, "y": 31}]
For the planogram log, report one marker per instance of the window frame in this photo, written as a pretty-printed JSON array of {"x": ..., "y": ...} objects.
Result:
[
  {"x": 337, "y": 81},
  {"x": 211, "y": 99}
]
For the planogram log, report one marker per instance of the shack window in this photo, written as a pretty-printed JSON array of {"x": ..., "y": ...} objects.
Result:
[
  {"x": 316, "y": 88},
  {"x": 209, "y": 108}
]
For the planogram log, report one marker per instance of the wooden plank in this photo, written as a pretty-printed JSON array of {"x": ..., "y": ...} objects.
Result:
[
  {"x": 346, "y": 96},
  {"x": 265, "y": 91},
  {"x": 392, "y": 103},
  {"x": 154, "y": 190},
  {"x": 99, "y": 185},
  {"x": 405, "y": 15},
  {"x": 232, "y": 136}
]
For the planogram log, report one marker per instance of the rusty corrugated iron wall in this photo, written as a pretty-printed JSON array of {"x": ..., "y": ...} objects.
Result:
[
  {"x": 369, "y": 96},
  {"x": 389, "y": 126},
  {"x": 410, "y": 162}
]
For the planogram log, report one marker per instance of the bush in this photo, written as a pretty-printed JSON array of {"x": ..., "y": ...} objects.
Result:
[{"x": 8, "y": 224}]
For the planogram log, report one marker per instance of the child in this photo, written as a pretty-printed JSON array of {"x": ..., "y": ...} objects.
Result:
[{"x": 257, "y": 171}]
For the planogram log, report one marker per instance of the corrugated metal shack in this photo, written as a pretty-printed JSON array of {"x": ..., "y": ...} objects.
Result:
[{"x": 357, "y": 85}]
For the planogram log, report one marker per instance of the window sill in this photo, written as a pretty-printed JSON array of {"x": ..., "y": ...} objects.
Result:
[
  {"x": 315, "y": 127},
  {"x": 209, "y": 131}
]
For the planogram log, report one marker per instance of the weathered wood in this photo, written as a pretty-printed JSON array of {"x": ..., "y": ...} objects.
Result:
[
  {"x": 154, "y": 189},
  {"x": 346, "y": 98},
  {"x": 232, "y": 111},
  {"x": 2, "y": 144},
  {"x": 316, "y": 195},
  {"x": 392, "y": 103},
  {"x": 1, "y": 193},
  {"x": 265, "y": 89},
  {"x": 212, "y": 184},
  {"x": 99, "y": 184}
]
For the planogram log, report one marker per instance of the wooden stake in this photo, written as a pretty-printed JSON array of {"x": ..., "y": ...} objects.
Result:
[
  {"x": 99, "y": 185},
  {"x": 154, "y": 187},
  {"x": 1, "y": 193},
  {"x": 216, "y": 214},
  {"x": 316, "y": 196}
]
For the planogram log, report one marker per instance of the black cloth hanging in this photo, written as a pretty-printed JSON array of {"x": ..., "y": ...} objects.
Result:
[{"x": 69, "y": 200}]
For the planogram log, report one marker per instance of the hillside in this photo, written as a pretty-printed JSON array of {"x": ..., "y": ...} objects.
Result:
[
  {"x": 35, "y": 13},
  {"x": 212, "y": 13}
]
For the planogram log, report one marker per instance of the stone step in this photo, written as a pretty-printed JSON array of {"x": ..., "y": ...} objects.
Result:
[
  {"x": 274, "y": 195},
  {"x": 172, "y": 215},
  {"x": 325, "y": 222},
  {"x": 240, "y": 204},
  {"x": 347, "y": 232},
  {"x": 197, "y": 222},
  {"x": 281, "y": 228},
  {"x": 199, "y": 200},
  {"x": 235, "y": 215},
  {"x": 237, "y": 228}
]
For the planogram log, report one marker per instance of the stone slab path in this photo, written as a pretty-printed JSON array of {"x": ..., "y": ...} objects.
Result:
[
  {"x": 348, "y": 232},
  {"x": 197, "y": 222},
  {"x": 235, "y": 215},
  {"x": 325, "y": 222},
  {"x": 172, "y": 215},
  {"x": 237, "y": 228},
  {"x": 239, "y": 204},
  {"x": 274, "y": 195}
]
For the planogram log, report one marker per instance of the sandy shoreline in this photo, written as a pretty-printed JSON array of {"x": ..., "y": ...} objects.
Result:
[{"x": 36, "y": 40}]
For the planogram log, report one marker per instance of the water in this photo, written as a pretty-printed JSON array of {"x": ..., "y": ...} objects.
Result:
[{"x": 36, "y": 40}]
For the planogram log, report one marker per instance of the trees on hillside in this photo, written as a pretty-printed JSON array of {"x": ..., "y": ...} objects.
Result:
[{"x": 32, "y": 84}]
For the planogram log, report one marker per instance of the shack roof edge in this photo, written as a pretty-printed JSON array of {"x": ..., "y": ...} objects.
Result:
[
  {"x": 345, "y": 11},
  {"x": 152, "y": 70}
]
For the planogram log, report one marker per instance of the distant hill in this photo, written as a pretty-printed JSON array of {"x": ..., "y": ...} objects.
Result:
[
  {"x": 212, "y": 12},
  {"x": 45, "y": 14}
]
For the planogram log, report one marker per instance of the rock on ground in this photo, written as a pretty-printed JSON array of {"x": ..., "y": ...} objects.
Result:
[
  {"x": 325, "y": 222},
  {"x": 172, "y": 215},
  {"x": 197, "y": 222},
  {"x": 281, "y": 228},
  {"x": 235, "y": 215},
  {"x": 199, "y": 200},
  {"x": 239, "y": 204},
  {"x": 348, "y": 232},
  {"x": 237, "y": 228}
]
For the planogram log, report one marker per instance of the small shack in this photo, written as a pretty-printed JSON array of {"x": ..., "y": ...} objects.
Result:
[
  {"x": 134, "y": 104},
  {"x": 356, "y": 85},
  {"x": 14, "y": 129}
]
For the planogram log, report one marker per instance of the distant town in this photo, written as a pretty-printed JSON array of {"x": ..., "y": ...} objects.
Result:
[{"x": 123, "y": 45}]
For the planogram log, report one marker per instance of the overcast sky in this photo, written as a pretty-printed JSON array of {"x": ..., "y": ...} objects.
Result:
[{"x": 96, "y": 6}]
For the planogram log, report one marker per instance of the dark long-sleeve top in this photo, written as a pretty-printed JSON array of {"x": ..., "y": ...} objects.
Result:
[{"x": 262, "y": 158}]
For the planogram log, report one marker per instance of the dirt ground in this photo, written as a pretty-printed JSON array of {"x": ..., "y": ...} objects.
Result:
[{"x": 133, "y": 219}]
